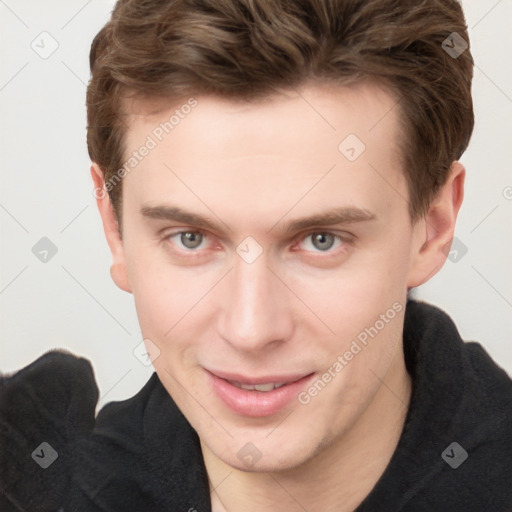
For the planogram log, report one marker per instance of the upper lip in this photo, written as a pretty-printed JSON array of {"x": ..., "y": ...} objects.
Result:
[{"x": 242, "y": 379}]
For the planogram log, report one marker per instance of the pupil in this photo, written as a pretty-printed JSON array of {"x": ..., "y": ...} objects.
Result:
[
  {"x": 323, "y": 240},
  {"x": 191, "y": 239}
]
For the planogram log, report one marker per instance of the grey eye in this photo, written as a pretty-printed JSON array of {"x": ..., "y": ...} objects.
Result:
[
  {"x": 191, "y": 239},
  {"x": 322, "y": 241}
]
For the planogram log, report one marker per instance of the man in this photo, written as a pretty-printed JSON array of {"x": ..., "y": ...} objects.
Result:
[{"x": 273, "y": 178}]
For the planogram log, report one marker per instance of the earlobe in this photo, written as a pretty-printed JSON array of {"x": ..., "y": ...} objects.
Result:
[
  {"x": 120, "y": 276},
  {"x": 118, "y": 269},
  {"x": 434, "y": 233}
]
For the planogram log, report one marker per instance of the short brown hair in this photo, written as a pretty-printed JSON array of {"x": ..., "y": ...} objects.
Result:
[{"x": 246, "y": 49}]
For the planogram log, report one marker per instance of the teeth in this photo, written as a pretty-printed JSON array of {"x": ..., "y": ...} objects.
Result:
[
  {"x": 258, "y": 387},
  {"x": 264, "y": 387}
]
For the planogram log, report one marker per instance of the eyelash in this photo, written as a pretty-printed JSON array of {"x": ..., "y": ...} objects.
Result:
[{"x": 344, "y": 240}]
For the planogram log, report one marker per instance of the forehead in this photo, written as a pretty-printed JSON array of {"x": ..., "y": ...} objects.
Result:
[
  {"x": 366, "y": 108},
  {"x": 269, "y": 150}
]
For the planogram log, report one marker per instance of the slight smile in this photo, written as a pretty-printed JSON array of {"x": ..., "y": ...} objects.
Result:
[{"x": 259, "y": 396}]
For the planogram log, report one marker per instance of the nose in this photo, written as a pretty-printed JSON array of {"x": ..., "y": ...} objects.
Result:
[{"x": 257, "y": 311}]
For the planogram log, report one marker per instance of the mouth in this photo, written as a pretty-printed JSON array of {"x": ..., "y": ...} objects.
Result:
[
  {"x": 257, "y": 397},
  {"x": 263, "y": 388}
]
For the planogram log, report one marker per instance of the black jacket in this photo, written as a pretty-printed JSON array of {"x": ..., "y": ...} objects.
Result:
[{"x": 142, "y": 455}]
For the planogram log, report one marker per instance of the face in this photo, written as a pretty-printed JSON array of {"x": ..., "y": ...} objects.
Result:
[{"x": 268, "y": 244}]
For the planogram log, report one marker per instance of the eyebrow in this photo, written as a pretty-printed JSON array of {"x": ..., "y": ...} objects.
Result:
[{"x": 343, "y": 215}]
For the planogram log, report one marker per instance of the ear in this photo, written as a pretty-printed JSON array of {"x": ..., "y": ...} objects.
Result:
[
  {"x": 434, "y": 232},
  {"x": 111, "y": 227}
]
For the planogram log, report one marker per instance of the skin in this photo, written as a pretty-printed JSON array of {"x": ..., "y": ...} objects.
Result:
[{"x": 253, "y": 168}]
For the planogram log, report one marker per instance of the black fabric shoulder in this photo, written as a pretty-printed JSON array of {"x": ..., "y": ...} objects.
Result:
[
  {"x": 142, "y": 455},
  {"x": 111, "y": 467},
  {"x": 488, "y": 372},
  {"x": 45, "y": 408},
  {"x": 125, "y": 417},
  {"x": 461, "y": 402}
]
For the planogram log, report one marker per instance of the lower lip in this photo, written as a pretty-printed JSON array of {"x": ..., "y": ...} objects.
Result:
[{"x": 257, "y": 403}]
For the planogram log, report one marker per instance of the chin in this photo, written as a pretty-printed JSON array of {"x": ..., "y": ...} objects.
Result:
[
  {"x": 265, "y": 456},
  {"x": 269, "y": 464}
]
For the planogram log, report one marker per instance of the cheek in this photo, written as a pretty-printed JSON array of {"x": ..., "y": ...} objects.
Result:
[
  {"x": 363, "y": 304},
  {"x": 173, "y": 304},
  {"x": 352, "y": 297},
  {"x": 159, "y": 293}
]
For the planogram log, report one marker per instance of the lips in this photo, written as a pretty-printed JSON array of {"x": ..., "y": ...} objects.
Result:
[{"x": 257, "y": 397}]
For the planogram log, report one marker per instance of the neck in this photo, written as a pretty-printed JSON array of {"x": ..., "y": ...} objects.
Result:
[{"x": 339, "y": 478}]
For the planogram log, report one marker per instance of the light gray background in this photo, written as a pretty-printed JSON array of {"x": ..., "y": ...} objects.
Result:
[{"x": 46, "y": 191}]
